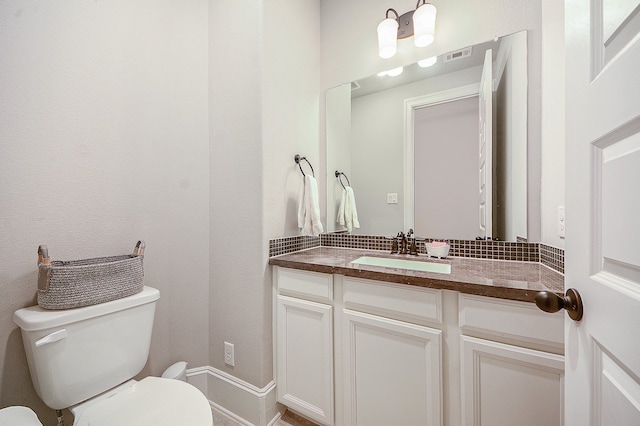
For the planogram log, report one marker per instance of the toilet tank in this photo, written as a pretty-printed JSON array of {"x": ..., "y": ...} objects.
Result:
[{"x": 75, "y": 354}]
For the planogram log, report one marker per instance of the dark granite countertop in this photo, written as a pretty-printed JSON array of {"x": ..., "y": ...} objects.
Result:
[{"x": 494, "y": 278}]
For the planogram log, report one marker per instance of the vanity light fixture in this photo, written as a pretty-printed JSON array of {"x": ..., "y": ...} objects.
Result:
[{"x": 419, "y": 23}]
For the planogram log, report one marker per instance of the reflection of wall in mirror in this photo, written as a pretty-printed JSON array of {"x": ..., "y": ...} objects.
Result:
[
  {"x": 510, "y": 139},
  {"x": 338, "y": 122}
]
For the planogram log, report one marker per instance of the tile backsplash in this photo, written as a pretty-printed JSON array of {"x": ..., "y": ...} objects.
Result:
[
  {"x": 552, "y": 257},
  {"x": 284, "y": 245}
]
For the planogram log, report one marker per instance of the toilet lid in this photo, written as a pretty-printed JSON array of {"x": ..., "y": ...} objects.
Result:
[
  {"x": 18, "y": 416},
  {"x": 151, "y": 401}
]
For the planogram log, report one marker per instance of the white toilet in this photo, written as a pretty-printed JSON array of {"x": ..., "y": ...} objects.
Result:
[{"x": 83, "y": 359}]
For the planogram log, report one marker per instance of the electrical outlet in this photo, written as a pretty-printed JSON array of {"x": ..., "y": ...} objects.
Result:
[
  {"x": 229, "y": 354},
  {"x": 561, "y": 221}
]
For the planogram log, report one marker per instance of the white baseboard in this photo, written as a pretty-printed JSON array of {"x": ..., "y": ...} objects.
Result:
[{"x": 240, "y": 400}]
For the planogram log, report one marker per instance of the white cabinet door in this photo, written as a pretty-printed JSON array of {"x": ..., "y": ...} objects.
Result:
[
  {"x": 504, "y": 385},
  {"x": 392, "y": 372},
  {"x": 305, "y": 357}
]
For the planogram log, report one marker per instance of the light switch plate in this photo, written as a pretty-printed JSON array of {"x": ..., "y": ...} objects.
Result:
[{"x": 561, "y": 221}]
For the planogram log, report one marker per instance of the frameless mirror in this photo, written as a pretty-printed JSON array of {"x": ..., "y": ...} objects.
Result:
[{"x": 433, "y": 149}]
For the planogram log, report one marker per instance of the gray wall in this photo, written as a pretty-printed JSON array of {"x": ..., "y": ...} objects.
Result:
[
  {"x": 264, "y": 96},
  {"x": 104, "y": 141}
]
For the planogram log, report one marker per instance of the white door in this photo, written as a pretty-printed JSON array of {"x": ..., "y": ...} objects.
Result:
[
  {"x": 603, "y": 211},
  {"x": 485, "y": 142}
]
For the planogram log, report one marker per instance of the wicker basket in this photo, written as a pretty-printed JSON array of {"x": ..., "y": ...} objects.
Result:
[{"x": 77, "y": 283}]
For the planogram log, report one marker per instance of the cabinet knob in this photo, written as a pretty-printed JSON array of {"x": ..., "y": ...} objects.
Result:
[{"x": 549, "y": 301}]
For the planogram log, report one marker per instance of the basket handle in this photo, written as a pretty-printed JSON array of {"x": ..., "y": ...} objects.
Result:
[
  {"x": 139, "y": 249},
  {"x": 43, "y": 255}
]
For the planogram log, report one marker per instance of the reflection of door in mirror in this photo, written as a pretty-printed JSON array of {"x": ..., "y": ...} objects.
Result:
[
  {"x": 485, "y": 162},
  {"x": 445, "y": 169}
]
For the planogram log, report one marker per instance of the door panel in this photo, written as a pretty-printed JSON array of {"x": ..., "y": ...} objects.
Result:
[
  {"x": 503, "y": 385},
  {"x": 304, "y": 371},
  {"x": 383, "y": 359},
  {"x": 603, "y": 202}
]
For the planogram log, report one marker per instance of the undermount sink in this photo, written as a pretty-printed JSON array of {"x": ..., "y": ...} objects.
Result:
[{"x": 413, "y": 265}]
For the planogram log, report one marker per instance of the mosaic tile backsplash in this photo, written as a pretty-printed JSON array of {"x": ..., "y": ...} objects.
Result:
[{"x": 499, "y": 250}]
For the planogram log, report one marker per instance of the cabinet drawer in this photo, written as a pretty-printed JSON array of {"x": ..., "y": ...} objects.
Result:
[
  {"x": 520, "y": 321},
  {"x": 305, "y": 284},
  {"x": 399, "y": 301}
]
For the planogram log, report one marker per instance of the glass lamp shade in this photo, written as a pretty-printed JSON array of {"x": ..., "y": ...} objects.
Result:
[
  {"x": 424, "y": 25},
  {"x": 426, "y": 63},
  {"x": 387, "y": 38},
  {"x": 395, "y": 72}
]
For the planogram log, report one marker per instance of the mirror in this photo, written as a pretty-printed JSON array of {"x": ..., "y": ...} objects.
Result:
[{"x": 409, "y": 146}]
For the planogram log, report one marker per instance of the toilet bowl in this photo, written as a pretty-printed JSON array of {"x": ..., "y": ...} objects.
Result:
[
  {"x": 151, "y": 401},
  {"x": 84, "y": 359},
  {"x": 18, "y": 415}
]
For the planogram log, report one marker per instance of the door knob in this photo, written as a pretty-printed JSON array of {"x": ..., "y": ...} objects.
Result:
[{"x": 549, "y": 301}]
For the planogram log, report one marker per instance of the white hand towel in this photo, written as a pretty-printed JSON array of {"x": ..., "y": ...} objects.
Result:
[
  {"x": 347, "y": 212},
  {"x": 343, "y": 201},
  {"x": 309, "y": 208}
]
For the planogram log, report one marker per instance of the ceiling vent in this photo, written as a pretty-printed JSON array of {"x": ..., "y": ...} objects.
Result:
[
  {"x": 458, "y": 54},
  {"x": 354, "y": 86}
]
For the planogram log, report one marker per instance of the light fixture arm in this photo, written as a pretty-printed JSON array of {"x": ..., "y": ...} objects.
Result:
[{"x": 394, "y": 11}]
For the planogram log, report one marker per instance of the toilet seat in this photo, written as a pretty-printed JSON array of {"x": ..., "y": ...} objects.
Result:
[
  {"x": 151, "y": 401},
  {"x": 18, "y": 415}
]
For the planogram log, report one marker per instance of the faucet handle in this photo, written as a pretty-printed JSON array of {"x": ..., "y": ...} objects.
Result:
[
  {"x": 413, "y": 248},
  {"x": 409, "y": 232}
]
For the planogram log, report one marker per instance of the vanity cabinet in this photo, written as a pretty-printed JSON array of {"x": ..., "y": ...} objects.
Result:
[
  {"x": 391, "y": 359},
  {"x": 304, "y": 343},
  {"x": 512, "y": 367},
  {"x": 351, "y": 351}
]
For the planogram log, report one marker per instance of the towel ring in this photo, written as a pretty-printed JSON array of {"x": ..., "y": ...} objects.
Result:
[
  {"x": 339, "y": 176},
  {"x": 298, "y": 159}
]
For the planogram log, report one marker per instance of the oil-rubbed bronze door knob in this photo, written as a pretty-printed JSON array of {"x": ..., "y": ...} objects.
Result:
[{"x": 551, "y": 302}]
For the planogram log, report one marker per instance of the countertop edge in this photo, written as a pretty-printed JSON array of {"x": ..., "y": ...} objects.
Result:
[{"x": 517, "y": 294}]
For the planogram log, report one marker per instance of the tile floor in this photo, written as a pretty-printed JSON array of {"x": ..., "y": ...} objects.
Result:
[{"x": 289, "y": 419}]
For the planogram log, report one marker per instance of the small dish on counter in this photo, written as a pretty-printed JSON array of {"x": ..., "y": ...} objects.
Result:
[{"x": 438, "y": 249}]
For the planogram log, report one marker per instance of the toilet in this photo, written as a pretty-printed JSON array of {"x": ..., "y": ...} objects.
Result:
[
  {"x": 84, "y": 359},
  {"x": 19, "y": 415}
]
